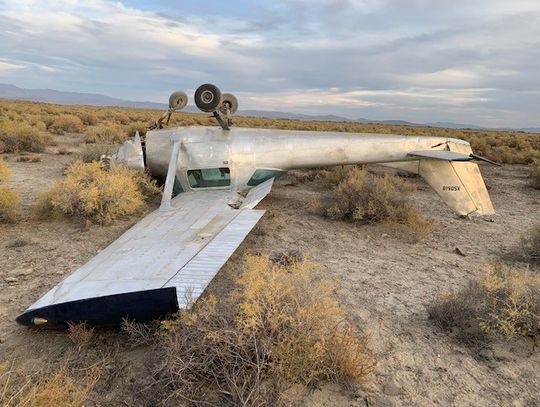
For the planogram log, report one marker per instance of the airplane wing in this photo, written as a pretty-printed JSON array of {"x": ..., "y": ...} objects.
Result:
[{"x": 161, "y": 264}]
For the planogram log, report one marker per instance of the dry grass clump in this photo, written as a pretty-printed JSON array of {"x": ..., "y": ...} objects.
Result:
[
  {"x": 141, "y": 127},
  {"x": 80, "y": 334},
  {"x": 16, "y": 136},
  {"x": 531, "y": 242},
  {"x": 67, "y": 123},
  {"x": 360, "y": 196},
  {"x": 5, "y": 172},
  {"x": 10, "y": 201},
  {"x": 534, "y": 174},
  {"x": 95, "y": 195},
  {"x": 285, "y": 332},
  {"x": 61, "y": 388},
  {"x": 506, "y": 302},
  {"x": 88, "y": 118},
  {"x": 105, "y": 134},
  {"x": 93, "y": 152},
  {"x": 29, "y": 158}
]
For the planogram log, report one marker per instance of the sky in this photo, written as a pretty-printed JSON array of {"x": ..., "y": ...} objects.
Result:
[{"x": 461, "y": 61}]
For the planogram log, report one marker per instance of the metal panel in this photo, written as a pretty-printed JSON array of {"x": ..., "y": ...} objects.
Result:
[
  {"x": 257, "y": 194},
  {"x": 195, "y": 276},
  {"x": 151, "y": 252},
  {"x": 441, "y": 155}
]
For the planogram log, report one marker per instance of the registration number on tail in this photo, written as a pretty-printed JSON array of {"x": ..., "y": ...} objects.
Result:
[{"x": 451, "y": 188}]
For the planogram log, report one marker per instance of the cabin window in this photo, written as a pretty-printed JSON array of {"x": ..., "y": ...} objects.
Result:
[
  {"x": 261, "y": 175},
  {"x": 209, "y": 178}
]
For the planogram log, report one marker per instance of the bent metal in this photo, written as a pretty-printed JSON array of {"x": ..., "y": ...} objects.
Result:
[{"x": 214, "y": 177}]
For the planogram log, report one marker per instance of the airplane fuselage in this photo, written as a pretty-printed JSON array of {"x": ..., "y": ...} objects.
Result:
[{"x": 248, "y": 157}]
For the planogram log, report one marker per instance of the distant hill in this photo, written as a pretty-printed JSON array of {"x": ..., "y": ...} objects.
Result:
[
  {"x": 71, "y": 98},
  {"x": 94, "y": 99}
]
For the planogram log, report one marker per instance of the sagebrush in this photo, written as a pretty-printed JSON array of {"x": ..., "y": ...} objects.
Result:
[
  {"x": 285, "y": 332},
  {"x": 531, "y": 242},
  {"x": 10, "y": 200},
  {"x": 358, "y": 195},
  {"x": 106, "y": 134},
  {"x": 534, "y": 174},
  {"x": 16, "y": 137},
  {"x": 59, "y": 388},
  {"x": 506, "y": 302},
  {"x": 91, "y": 193}
]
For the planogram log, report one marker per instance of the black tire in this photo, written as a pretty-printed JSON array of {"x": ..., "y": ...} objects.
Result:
[{"x": 208, "y": 97}]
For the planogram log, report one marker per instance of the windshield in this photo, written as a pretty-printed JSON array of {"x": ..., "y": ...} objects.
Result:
[{"x": 209, "y": 178}]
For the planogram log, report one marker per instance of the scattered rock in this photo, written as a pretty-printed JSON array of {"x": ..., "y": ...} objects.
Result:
[
  {"x": 17, "y": 243},
  {"x": 457, "y": 250},
  {"x": 392, "y": 389},
  {"x": 11, "y": 280}
]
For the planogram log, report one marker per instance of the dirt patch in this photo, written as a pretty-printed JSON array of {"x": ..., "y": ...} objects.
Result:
[{"x": 384, "y": 281}]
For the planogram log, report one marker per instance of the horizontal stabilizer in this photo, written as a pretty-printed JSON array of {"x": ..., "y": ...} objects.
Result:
[{"x": 441, "y": 155}]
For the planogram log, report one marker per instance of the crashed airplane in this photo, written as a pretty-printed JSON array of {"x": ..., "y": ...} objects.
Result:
[{"x": 214, "y": 177}]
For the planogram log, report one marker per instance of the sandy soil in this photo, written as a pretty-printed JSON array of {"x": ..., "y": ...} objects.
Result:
[{"x": 384, "y": 280}]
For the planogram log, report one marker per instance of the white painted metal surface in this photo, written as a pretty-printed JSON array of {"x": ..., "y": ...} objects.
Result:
[
  {"x": 151, "y": 253},
  {"x": 193, "y": 278},
  {"x": 257, "y": 194}
]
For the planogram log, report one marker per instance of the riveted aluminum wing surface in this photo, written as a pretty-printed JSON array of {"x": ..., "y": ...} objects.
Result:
[{"x": 180, "y": 249}]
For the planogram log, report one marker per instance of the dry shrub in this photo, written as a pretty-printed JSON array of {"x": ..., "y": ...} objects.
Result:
[
  {"x": 140, "y": 127},
  {"x": 80, "y": 334},
  {"x": 67, "y": 123},
  {"x": 29, "y": 158},
  {"x": 5, "y": 172},
  {"x": 93, "y": 152},
  {"x": 16, "y": 137},
  {"x": 534, "y": 175},
  {"x": 285, "y": 332},
  {"x": 92, "y": 194},
  {"x": 10, "y": 205},
  {"x": 506, "y": 302},
  {"x": 10, "y": 201},
  {"x": 105, "y": 134},
  {"x": 61, "y": 388},
  {"x": 139, "y": 333},
  {"x": 531, "y": 242},
  {"x": 88, "y": 118},
  {"x": 360, "y": 196}
]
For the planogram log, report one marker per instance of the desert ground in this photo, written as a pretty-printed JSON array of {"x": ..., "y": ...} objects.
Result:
[{"x": 384, "y": 280}]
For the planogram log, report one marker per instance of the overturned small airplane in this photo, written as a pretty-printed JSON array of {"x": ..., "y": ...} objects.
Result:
[{"x": 213, "y": 179}]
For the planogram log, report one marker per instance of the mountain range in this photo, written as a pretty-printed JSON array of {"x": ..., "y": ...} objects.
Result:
[{"x": 94, "y": 99}]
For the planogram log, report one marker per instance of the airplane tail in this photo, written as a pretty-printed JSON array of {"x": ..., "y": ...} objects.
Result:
[{"x": 458, "y": 183}]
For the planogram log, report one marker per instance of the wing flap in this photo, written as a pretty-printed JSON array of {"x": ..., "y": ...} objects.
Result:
[{"x": 195, "y": 276}]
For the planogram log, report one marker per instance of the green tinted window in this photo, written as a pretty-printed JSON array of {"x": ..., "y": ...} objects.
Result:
[
  {"x": 261, "y": 175},
  {"x": 209, "y": 178}
]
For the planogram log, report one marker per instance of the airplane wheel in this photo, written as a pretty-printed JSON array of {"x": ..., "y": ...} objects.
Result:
[
  {"x": 230, "y": 101},
  {"x": 178, "y": 100},
  {"x": 208, "y": 97}
]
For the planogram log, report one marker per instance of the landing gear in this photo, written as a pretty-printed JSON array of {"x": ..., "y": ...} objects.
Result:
[
  {"x": 178, "y": 100},
  {"x": 208, "y": 97},
  {"x": 229, "y": 104}
]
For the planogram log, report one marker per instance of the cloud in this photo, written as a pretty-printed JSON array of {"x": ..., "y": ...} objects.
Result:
[{"x": 387, "y": 59}]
